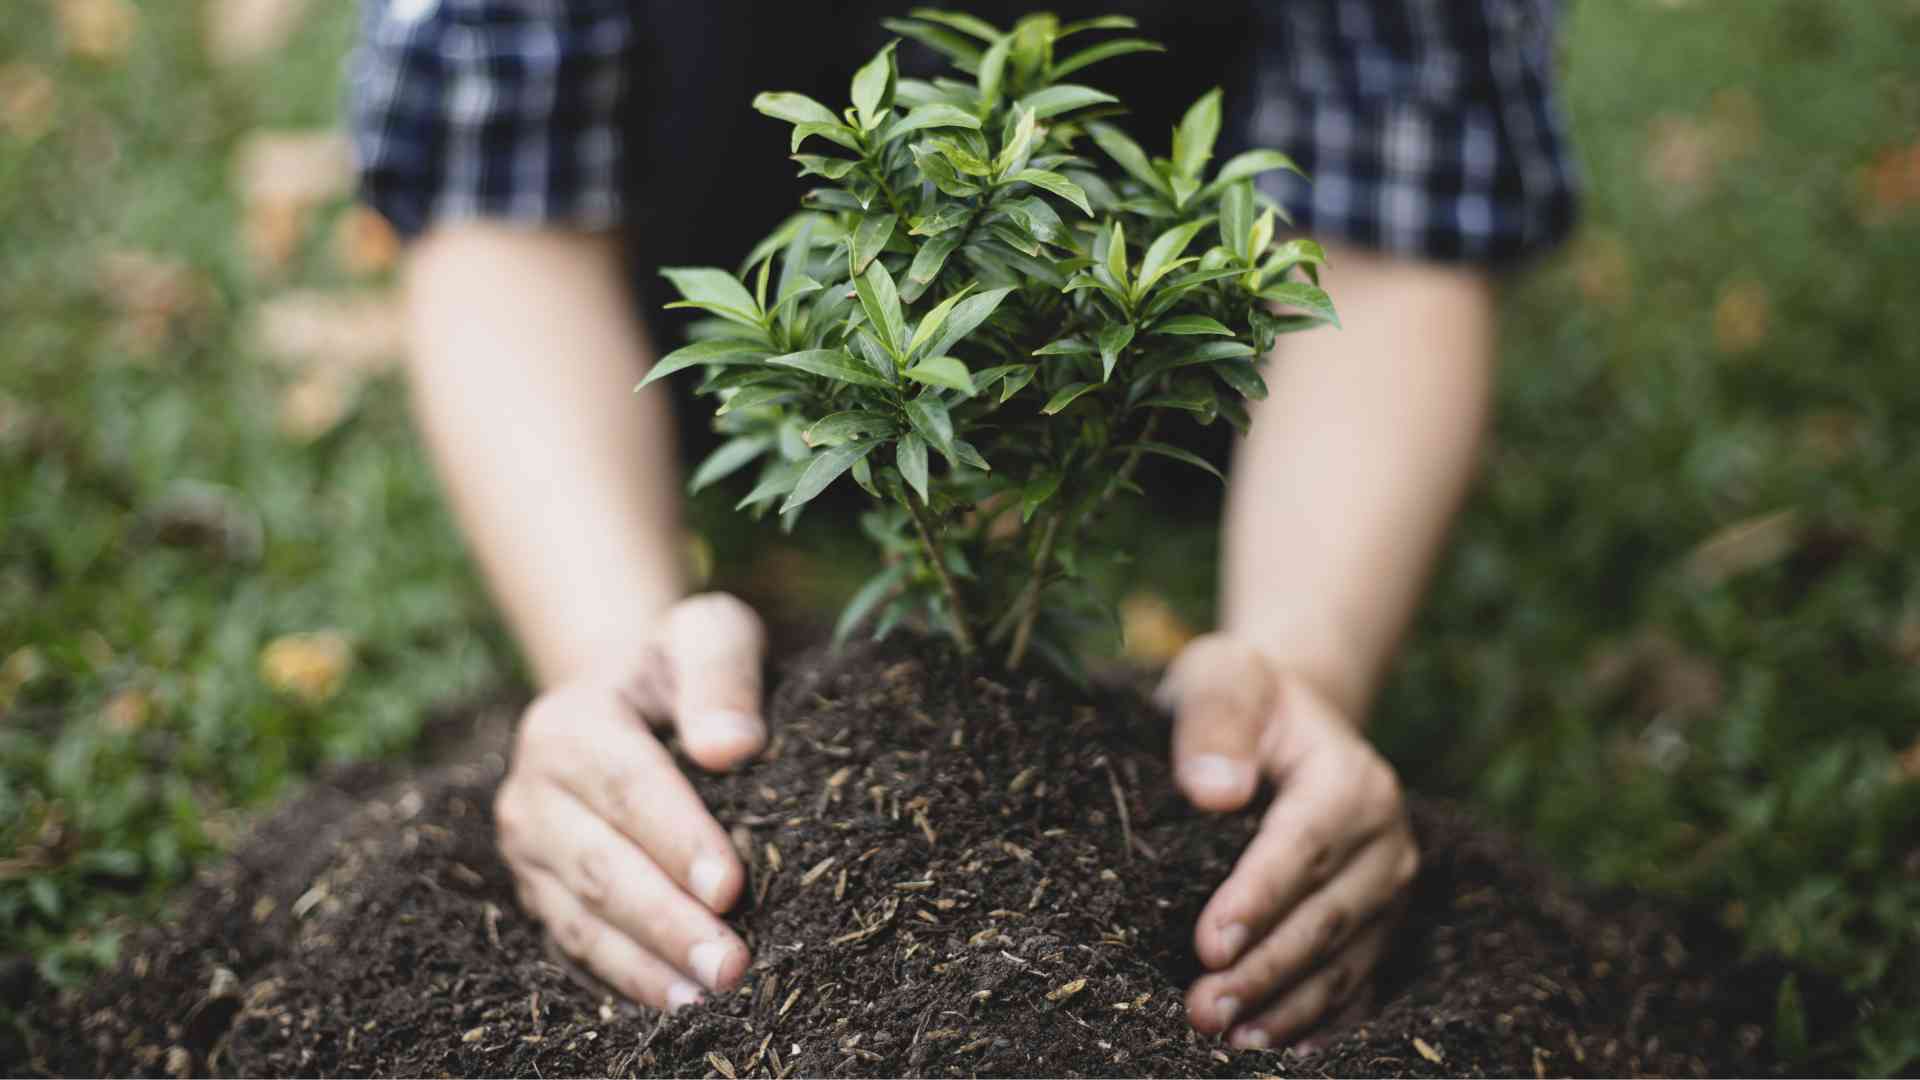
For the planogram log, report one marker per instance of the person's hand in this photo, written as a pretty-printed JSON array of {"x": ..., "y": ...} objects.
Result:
[
  {"x": 610, "y": 846},
  {"x": 1291, "y": 937}
]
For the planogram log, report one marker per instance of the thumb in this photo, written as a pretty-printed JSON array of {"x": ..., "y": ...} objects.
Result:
[
  {"x": 712, "y": 646},
  {"x": 1220, "y": 690}
]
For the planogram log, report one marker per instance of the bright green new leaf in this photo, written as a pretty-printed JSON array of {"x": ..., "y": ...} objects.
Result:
[
  {"x": 961, "y": 21},
  {"x": 794, "y": 108},
  {"x": 713, "y": 352},
  {"x": 1299, "y": 294},
  {"x": 933, "y": 116},
  {"x": 1236, "y": 220},
  {"x": 1106, "y": 50},
  {"x": 826, "y": 467},
  {"x": 834, "y": 132},
  {"x": 1193, "y": 140},
  {"x": 873, "y": 86},
  {"x": 993, "y": 69},
  {"x": 967, "y": 315},
  {"x": 706, "y": 285},
  {"x": 1054, "y": 100},
  {"x": 1117, "y": 254},
  {"x": 944, "y": 372},
  {"x": 1163, "y": 252},
  {"x": 1056, "y": 184},
  {"x": 1067, "y": 395},
  {"x": 776, "y": 479},
  {"x": 832, "y": 364},
  {"x": 962, "y": 159},
  {"x": 1127, "y": 154},
  {"x": 1099, "y": 22},
  {"x": 931, "y": 322},
  {"x": 1013, "y": 156},
  {"x": 1251, "y": 163},
  {"x": 1192, "y": 324}
]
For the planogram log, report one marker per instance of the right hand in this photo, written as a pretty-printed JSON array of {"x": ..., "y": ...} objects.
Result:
[{"x": 609, "y": 844}]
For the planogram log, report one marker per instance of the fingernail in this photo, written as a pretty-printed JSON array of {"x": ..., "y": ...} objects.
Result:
[
  {"x": 707, "y": 959},
  {"x": 1232, "y": 937},
  {"x": 1225, "y": 1006},
  {"x": 730, "y": 727},
  {"x": 1251, "y": 1039},
  {"x": 708, "y": 875},
  {"x": 1216, "y": 776},
  {"x": 682, "y": 994}
]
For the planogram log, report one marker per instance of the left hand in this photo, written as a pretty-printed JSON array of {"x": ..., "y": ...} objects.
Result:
[{"x": 1292, "y": 936}]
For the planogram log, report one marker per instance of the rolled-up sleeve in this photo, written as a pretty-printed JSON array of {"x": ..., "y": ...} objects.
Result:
[
  {"x": 504, "y": 109},
  {"x": 1429, "y": 128}
]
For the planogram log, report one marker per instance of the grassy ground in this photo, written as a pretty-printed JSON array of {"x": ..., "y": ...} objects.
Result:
[{"x": 1677, "y": 640}]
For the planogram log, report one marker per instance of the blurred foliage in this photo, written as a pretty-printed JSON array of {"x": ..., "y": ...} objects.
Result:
[{"x": 1676, "y": 640}]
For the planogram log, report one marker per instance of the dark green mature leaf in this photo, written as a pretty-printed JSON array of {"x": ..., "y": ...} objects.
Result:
[
  {"x": 948, "y": 216},
  {"x": 732, "y": 455},
  {"x": 873, "y": 86},
  {"x": 1054, "y": 100},
  {"x": 1066, "y": 396},
  {"x": 1017, "y": 381},
  {"x": 1192, "y": 324},
  {"x": 1037, "y": 218},
  {"x": 1174, "y": 452},
  {"x": 1244, "y": 377},
  {"x": 1193, "y": 140},
  {"x": 832, "y": 364},
  {"x": 931, "y": 257},
  {"x": 882, "y": 303},
  {"x": 877, "y": 588},
  {"x": 834, "y": 132},
  {"x": 878, "y": 359},
  {"x": 1299, "y": 294},
  {"x": 1114, "y": 338},
  {"x": 1067, "y": 346},
  {"x": 1251, "y": 163},
  {"x": 776, "y": 479},
  {"x": 929, "y": 416},
  {"x": 933, "y": 116},
  {"x": 1163, "y": 254},
  {"x": 852, "y": 424},
  {"x": 911, "y": 458},
  {"x": 1202, "y": 402},
  {"x": 942, "y": 371},
  {"x": 1106, "y": 50},
  {"x": 965, "y": 454},
  {"x": 1056, "y": 184},
  {"x": 984, "y": 379},
  {"x": 1127, "y": 154},
  {"x": 716, "y": 351},
  {"x": 931, "y": 322},
  {"x": 871, "y": 236},
  {"x": 1036, "y": 492},
  {"x": 826, "y": 467},
  {"x": 967, "y": 315},
  {"x": 793, "y": 108}
]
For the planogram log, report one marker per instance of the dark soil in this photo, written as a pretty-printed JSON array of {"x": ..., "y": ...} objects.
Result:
[{"x": 949, "y": 876}]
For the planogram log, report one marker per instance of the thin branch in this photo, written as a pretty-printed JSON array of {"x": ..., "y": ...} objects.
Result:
[
  {"x": 962, "y": 632},
  {"x": 1029, "y": 602}
]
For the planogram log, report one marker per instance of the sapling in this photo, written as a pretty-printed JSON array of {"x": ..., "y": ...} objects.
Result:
[{"x": 981, "y": 316}]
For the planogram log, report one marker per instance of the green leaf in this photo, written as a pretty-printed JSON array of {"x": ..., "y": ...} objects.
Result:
[
  {"x": 841, "y": 426},
  {"x": 1192, "y": 324},
  {"x": 1261, "y": 236},
  {"x": 1117, "y": 254},
  {"x": 1244, "y": 377},
  {"x": 1200, "y": 402},
  {"x": 878, "y": 359},
  {"x": 873, "y": 86},
  {"x": 930, "y": 322},
  {"x": 1296, "y": 252},
  {"x": 830, "y": 168},
  {"x": 933, "y": 116},
  {"x": 943, "y": 371},
  {"x": 1176, "y": 454},
  {"x": 964, "y": 54},
  {"x": 959, "y": 20},
  {"x": 1056, "y": 184},
  {"x": 964, "y": 452},
  {"x": 716, "y": 352},
  {"x": 1113, "y": 338},
  {"x": 1193, "y": 140},
  {"x": 1067, "y": 346},
  {"x": 835, "y": 132},
  {"x": 1019, "y": 147},
  {"x": 967, "y": 315},
  {"x": 1037, "y": 491},
  {"x": 793, "y": 108},
  {"x": 948, "y": 216},
  {"x": 732, "y": 456},
  {"x": 1016, "y": 382},
  {"x": 911, "y": 457},
  {"x": 870, "y": 237},
  {"x": 704, "y": 285},
  {"x": 1127, "y": 154},
  {"x": 1162, "y": 253},
  {"x": 1236, "y": 220},
  {"x": 1037, "y": 218},
  {"x": 882, "y": 303},
  {"x": 935, "y": 166},
  {"x": 1251, "y": 163},
  {"x": 929, "y": 416},
  {"x": 777, "y": 478},
  {"x": 827, "y": 466},
  {"x": 1106, "y": 50},
  {"x": 962, "y": 159},
  {"x": 1299, "y": 294},
  {"x": 1066, "y": 397},
  {"x": 933, "y": 255},
  {"x": 1054, "y": 100},
  {"x": 877, "y": 589},
  {"x": 993, "y": 69},
  {"x": 832, "y": 364},
  {"x": 752, "y": 397},
  {"x": 1099, "y": 22}
]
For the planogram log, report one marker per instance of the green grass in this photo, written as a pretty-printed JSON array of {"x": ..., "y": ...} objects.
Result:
[{"x": 1728, "y": 738}]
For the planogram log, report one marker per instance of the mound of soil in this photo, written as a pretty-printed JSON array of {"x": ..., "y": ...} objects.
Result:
[{"x": 949, "y": 875}]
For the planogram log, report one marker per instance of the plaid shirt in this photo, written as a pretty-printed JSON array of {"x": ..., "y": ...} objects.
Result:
[{"x": 1429, "y": 127}]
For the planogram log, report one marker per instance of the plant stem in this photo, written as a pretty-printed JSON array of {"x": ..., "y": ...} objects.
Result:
[
  {"x": 962, "y": 633},
  {"x": 1133, "y": 461},
  {"x": 1029, "y": 601}
]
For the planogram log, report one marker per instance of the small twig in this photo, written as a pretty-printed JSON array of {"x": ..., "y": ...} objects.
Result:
[
  {"x": 1120, "y": 804},
  {"x": 1125, "y": 475},
  {"x": 1029, "y": 602},
  {"x": 962, "y": 633}
]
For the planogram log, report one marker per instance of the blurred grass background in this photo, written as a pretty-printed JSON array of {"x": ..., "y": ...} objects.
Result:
[{"x": 1676, "y": 641}]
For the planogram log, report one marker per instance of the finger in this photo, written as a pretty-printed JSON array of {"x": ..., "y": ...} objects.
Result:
[
  {"x": 713, "y": 646},
  {"x": 1298, "y": 947},
  {"x": 1312, "y": 1001},
  {"x": 1220, "y": 690},
  {"x": 589, "y": 747},
  {"x": 616, "y": 882},
  {"x": 609, "y": 955}
]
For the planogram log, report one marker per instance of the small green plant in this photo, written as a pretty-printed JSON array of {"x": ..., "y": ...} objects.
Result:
[{"x": 969, "y": 288}]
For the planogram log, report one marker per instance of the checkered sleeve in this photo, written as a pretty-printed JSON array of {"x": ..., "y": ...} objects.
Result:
[
  {"x": 1429, "y": 128},
  {"x": 506, "y": 109}
]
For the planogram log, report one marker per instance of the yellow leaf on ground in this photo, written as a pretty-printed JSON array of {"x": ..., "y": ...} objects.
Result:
[
  {"x": 97, "y": 29},
  {"x": 309, "y": 666},
  {"x": 26, "y": 101}
]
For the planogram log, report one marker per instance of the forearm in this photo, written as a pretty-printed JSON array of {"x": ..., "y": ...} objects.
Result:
[
  {"x": 1342, "y": 492},
  {"x": 524, "y": 350}
]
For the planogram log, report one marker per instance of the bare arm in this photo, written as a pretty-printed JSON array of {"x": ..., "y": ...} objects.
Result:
[
  {"x": 525, "y": 351},
  {"x": 1341, "y": 495}
]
